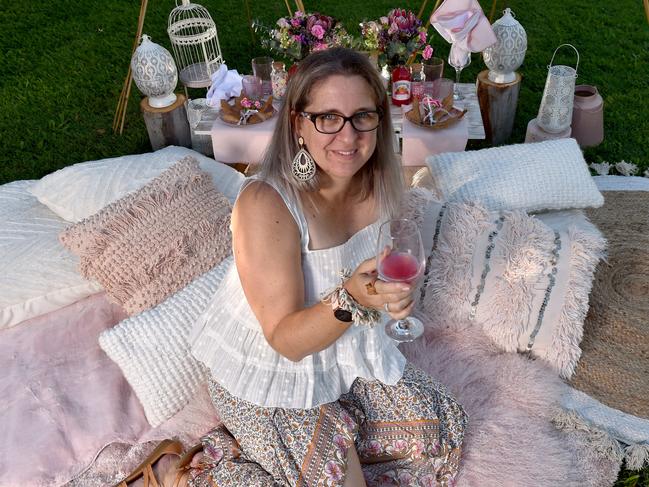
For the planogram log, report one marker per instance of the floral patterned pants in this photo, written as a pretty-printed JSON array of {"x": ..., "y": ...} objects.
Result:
[{"x": 407, "y": 434}]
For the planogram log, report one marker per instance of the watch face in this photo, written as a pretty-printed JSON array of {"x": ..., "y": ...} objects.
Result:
[{"x": 343, "y": 315}]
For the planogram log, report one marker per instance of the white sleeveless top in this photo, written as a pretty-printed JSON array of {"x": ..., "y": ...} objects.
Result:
[{"x": 229, "y": 340}]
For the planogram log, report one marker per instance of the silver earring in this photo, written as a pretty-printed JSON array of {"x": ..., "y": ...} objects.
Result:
[{"x": 303, "y": 164}]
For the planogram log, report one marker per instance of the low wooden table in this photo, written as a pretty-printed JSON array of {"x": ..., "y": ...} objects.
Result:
[{"x": 249, "y": 148}]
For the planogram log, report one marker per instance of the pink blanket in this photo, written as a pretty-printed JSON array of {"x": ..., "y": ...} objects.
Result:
[{"x": 63, "y": 401}]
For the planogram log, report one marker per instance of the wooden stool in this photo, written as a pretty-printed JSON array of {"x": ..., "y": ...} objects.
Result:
[
  {"x": 498, "y": 106},
  {"x": 167, "y": 125}
]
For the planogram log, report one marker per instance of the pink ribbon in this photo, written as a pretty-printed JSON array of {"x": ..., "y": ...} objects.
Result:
[{"x": 463, "y": 23}]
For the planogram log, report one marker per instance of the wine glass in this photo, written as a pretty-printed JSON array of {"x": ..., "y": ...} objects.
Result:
[
  {"x": 400, "y": 258},
  {"x": 459, "y": 59}
]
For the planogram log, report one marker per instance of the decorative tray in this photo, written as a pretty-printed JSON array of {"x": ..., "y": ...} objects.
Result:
[
  {"x": 435, "y": 115},
  {"x": 243, "y": 111}
]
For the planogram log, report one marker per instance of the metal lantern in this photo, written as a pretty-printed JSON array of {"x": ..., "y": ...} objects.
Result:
[
  {"x": 154, "y": 73},
  {"x": 508, "y": 53},
  {"x": 195, "y": 44}
]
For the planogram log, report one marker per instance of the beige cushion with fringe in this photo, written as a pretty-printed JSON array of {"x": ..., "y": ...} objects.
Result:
[
  {"x": 151, "y": 243},
  {"x": 510, "y": 274}
]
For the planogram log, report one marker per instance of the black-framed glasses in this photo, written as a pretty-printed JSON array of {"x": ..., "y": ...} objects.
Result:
[{"x": 332, "y": 123}]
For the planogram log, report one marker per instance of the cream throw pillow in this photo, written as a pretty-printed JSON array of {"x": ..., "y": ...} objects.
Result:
[
  {"x": 550, "y": 175},
  {"x": 525, "y": 282},
  {"x": 81, "y": 190}
]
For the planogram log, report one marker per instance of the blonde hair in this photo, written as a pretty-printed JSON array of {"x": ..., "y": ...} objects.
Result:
[{"x": 381, "y": 176}]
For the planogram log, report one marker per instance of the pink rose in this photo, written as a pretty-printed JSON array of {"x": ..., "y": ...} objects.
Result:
[
  {"x": 296, "y": 22},
  {"x": 333, "y": 471},
  {"x": 422, "y": 36},
  {"x": 428, "y": 52},
  {"x": 317, "y": 31}
]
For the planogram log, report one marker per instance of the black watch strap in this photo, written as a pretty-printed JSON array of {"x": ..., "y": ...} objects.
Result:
[{"x": 343, "y": 315}]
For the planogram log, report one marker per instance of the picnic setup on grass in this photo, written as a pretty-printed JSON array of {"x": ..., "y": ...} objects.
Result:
[{"x": 529, "y": 311}]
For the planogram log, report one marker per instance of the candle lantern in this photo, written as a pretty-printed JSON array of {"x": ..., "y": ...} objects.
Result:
[
  {"x": 507, "y": 54},
  {"x": 154, "y": 73}
]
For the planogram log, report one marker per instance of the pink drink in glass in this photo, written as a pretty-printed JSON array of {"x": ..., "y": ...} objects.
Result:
[{"x": 399, "y": 267}]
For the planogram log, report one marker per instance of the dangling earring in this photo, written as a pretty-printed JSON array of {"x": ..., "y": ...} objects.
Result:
[{"x": 303, "y": 164}]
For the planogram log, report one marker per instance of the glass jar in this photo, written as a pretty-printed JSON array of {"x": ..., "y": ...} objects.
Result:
[
  {"x": 417, "y": 79},
  {"x": 278, "y": 79},
  {"x": 400, "y": 85}
]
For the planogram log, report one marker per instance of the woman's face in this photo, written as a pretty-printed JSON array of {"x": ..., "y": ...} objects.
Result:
[{"x": 342, "y": 154}]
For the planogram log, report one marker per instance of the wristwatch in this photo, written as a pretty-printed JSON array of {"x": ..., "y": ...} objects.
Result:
[{"x": 343, "y": 315}]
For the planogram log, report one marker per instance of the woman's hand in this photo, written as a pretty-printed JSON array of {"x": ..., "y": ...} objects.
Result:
[{"x": 370, "y": 291}]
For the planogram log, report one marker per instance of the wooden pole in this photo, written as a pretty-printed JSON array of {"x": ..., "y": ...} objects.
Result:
[
  {"x": 249, "y": 15},
  {"x": 493, "y": 11},
  {"x": 288, "y": 6},
  {"x": 120, "y": 112},
  {"x": 646, "y": 8},
  {"x": 421, "y": 10}
]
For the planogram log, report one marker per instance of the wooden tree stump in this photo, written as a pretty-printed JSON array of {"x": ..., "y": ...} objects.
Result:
[
  {"x": 168, "y": 125},
  {"x": 498, "y": 106}
]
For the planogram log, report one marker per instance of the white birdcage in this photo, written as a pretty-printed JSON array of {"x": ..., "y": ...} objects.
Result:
[{"x": 195, "y": 44}]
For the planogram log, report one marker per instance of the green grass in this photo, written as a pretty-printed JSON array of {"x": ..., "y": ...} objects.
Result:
[
  {"x": 62, "y": 65},
  {"x": 63, "y": 62}
]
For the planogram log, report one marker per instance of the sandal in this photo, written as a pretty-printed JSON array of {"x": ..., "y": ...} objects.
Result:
[
  {"x": 145, "y": 469},
  {"x": 184, "y": 464}
]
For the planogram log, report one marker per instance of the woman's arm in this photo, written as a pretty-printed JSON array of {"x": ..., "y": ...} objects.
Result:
[{"x": 268, "y": 256}]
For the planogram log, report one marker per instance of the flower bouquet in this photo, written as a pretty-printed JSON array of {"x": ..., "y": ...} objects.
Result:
[
  {"x": 303, "y": 33},
  {"x": 397, "y": 38}
]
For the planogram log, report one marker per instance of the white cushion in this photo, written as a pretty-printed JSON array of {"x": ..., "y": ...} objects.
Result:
[
  {"x": 510, "y": 274},
  {"x": 37, "y": 274},
  {"x": 550, "y": 175},
  {"x": 152, "y": 350},
  {"x": 79, "y": 191}
]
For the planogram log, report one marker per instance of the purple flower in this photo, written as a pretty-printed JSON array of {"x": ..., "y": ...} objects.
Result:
[
  {"x": 333, "y": 471},
  {"x": 422, "y": 36},
  {"x": 296, "y": 22},
  {"x": 405, "y": 478},
  {"x": 341, "y": 443},
  {"x": 428, "y": 480},
  {"x": 373, "y": 447},
  {"x": 317, "y": 31}
]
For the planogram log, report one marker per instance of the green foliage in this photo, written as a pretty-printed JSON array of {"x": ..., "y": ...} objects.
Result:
[{"x": 63, "y": 63}]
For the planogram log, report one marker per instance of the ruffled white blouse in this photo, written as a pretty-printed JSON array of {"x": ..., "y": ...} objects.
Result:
[{"x": 229, "y": 340}]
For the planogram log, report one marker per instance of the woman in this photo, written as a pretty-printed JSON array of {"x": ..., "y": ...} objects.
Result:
[{"x": 309, "y": 395}]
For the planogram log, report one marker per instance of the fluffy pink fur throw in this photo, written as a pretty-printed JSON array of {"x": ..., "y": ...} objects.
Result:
[{"x": 151, "y": 243}]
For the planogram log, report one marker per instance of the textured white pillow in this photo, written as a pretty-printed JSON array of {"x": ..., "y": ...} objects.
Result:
[
  {"x": 549, "y": 175},
  {"x": 522, "y": 279},
  {"x": 152, "y": 350},
  {"x": 79, "y": 191},
  {"x": 37, "y": 274}
]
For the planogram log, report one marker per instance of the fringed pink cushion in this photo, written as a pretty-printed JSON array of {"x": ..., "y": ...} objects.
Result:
[{"x": 149, "y": 244}]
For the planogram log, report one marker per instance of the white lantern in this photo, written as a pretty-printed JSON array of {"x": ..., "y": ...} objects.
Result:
[
  {"x": 195, "y": 44},
  {"x": 508, "y": 53},
  {"x": 154, "y": 73}
]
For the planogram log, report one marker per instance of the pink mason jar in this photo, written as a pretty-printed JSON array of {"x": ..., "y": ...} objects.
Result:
[{"x": 587, "y": 116}]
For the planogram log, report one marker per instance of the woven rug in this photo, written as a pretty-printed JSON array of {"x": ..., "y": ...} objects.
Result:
[{"x": 614, "y": 366}]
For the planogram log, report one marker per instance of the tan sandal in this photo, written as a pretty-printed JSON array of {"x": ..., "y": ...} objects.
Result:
[
  {"x": 145, "y": 469},
  {"x": 184, "y": 464}
]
